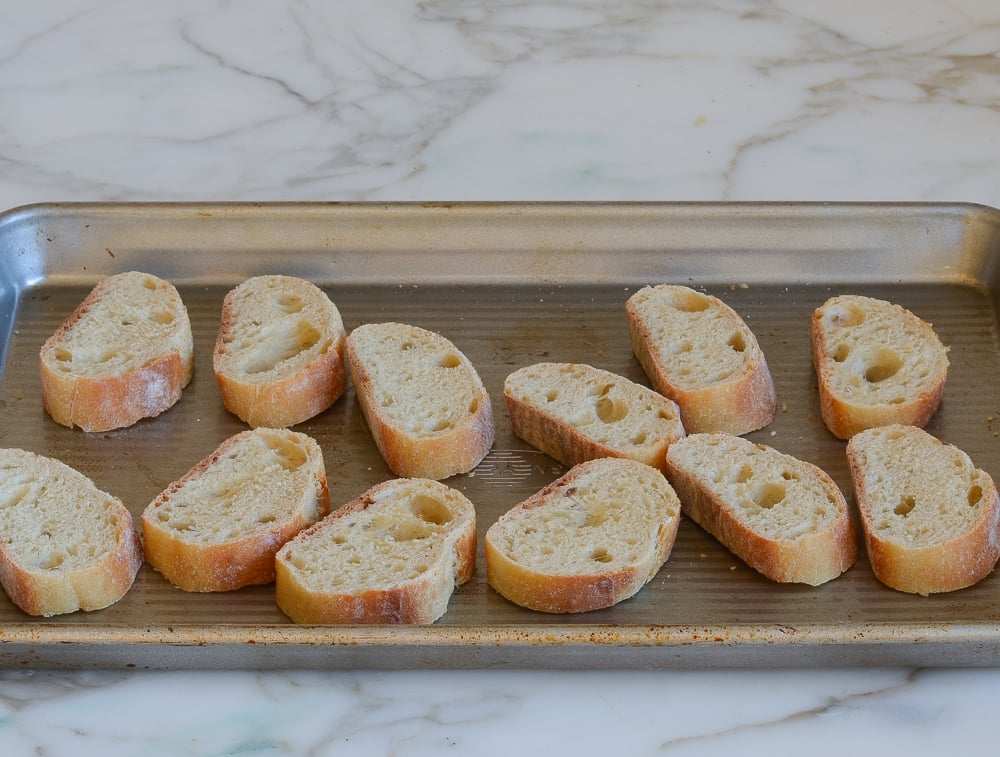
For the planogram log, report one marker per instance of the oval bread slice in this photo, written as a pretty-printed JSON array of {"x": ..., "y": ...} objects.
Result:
[
  {"x": 877, "y": 364},
  {"x": 393, "y": 555},
  {"x": 931, "y": 519},
  {"x": 784, "y": 517},
  {"x": 698, "y": 352},
  {"x": 423, "y": 400},
  {"x": 589, "y": 540},
  {"x": 279, "y": 353},
  {"x": 219, "y": 526},
  {"x": 65, "y": 545},
  {"x": 124, "y": 354},
  {"x": 576, "y": 412}
]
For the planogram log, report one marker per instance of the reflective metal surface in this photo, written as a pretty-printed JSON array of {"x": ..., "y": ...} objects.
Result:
[{"x": 511, "y": 284}]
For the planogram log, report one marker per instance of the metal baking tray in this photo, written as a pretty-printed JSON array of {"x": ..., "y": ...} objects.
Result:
[{"x": 511, "y": 284}]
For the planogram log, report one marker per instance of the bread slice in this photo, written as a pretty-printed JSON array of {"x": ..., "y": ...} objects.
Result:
[
  {"x": 124, "y": 354},
  {"x": 576, "y": 412},
  {"x": 698, "y": 352},
  {"x": 423, "y": 400},
  {"x": 877, "y": 364},
  {"x": 589, "y": 540},
  {"x": 784, "y": 517},
  {"x": 931, "y": 519},
  {"x": 219, "y": 526},
  {"x": 279, "y": 354},
  {"x": 65, "y": 545},
  {"x": 393, "y": 555}
]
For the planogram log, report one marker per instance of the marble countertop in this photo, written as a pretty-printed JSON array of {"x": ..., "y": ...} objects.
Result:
[{"x": 442, "y": 100}]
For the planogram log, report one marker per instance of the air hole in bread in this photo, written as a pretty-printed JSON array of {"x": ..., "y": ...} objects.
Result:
[
  {"x": 51, "y": 561},
  {"x": 63, "y": 355},
  {"x": 640, "y": 438},
  {"x": 450, "y": 361},
  {"x": 430, "y": 510},
  {"x": 302, "y": 336},
  {"x": 267, "y": 518},
  {"x": 600, "y": 555},
  {"x": 339, "y": 539},
  {"x": 744, "y": 474},
  {"x": 601, "y": 390},
  {"x": 162, "y": 316},
  {"x": 287, "y": 454},
  {"x": 906, "y": 504},
  {"x": 975, "y": 495},
  {"x": 737, "y": 342},
  {"x": 551, "y": 395},
  {"x": 610, "y": 410},
  {"x": 790, "y": 475},
  {"x": 149, "y": 283},
  {"x": 406, "y": 346},
  {"x": 290, "y": 303},
  {"x": 841, "y": 353},
  {"x": 690, "y": 302},
  {"x": 442, "y": 425},
  {"x": 768, "y": 495},
  {"x": 885, "y": 365},
  {"x": 844, "y": 315}
]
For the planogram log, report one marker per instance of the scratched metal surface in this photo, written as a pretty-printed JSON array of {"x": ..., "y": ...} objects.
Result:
[{"x": 511, "y": 284}]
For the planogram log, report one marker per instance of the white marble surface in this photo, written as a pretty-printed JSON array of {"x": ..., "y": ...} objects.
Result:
[{"x": 584, "y": 100}]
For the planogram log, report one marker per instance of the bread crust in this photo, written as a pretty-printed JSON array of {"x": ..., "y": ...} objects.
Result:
[
  {"x": 409, "y": 455},
  {"x": 944, "y": 566},
  {"x": 110, "y": 401},
  {"x": 421, "y": 600},
  {"x": 568, "y": 592},
  {"x": 812, "y": 559},
  {"x": 294, "y": 398},
  {"x": 737, "y": 405},
  {"x": 845, "y": 418},
  {"x": 242, "y": 561},
  {"x": 42, "y": 592},
  {"x": 571, "y": 445}
]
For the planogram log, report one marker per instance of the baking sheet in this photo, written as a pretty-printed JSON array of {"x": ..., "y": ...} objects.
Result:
[{"x": 511, "y": 284}]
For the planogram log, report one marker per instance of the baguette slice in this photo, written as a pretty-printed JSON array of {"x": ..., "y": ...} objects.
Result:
[
  {"x": 785, "y": 518},
  {"x": 124, "y": 354},
  {"x": 219, "y": 527},
  {"x": 279, "y": 353},
  {"x": 393, "y": 555},
  {"x": 877, "y": 364},
  {"x": 589, "y": 540},
  {"x": 576, "y": 413},
  {"x": 698, "y": 352},
  {"x": 65, "y": 545},
  {"x": 423, "y": 400},
  {"x": 931, "y": 519}
]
